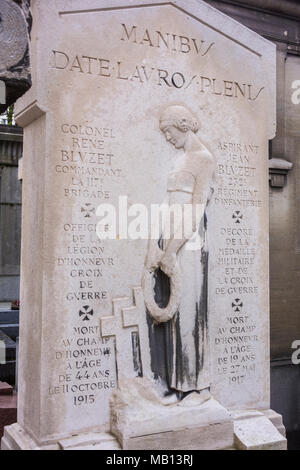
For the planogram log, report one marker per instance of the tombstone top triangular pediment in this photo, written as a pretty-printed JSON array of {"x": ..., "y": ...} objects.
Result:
[
  {"x": 249, "y": 41},
  {"x": 196, "y": 9}
]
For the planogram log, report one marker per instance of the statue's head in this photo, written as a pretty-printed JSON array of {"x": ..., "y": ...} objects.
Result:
[{"x": 176, "y": 122}]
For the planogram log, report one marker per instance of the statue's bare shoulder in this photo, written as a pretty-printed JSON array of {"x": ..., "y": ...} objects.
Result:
[{"x": 201, "y": 163}]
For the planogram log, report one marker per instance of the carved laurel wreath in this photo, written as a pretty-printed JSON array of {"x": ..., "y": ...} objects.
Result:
[{"x": 162, "y": 315}]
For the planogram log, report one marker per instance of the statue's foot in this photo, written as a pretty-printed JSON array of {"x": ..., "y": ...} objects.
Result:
[
  {"x": 170, "y": 399},
  {"x": 205, "y": 395},
  {"x": 196, "y": 398}
]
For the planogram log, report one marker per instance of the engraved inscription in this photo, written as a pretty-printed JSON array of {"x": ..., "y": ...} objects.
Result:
[
  {"x": 170, "y": 41},
  {"x": 116, "y": 69}
]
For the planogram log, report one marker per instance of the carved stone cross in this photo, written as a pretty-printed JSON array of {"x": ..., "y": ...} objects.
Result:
[
  {"x": 128, "y": 319},
  {"x": 136, "y": 316}
]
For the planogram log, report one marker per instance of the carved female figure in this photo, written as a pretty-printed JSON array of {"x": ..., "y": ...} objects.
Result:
[{"x": 182, "y": 312}]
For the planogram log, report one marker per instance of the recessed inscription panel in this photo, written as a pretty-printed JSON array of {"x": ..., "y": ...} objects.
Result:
[
  {"x": 108, "y": 82},
  {"x": 238, "y": 274}
]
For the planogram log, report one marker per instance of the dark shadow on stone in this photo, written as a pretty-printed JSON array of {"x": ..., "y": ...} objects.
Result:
[{"x": 160, "y": 335}]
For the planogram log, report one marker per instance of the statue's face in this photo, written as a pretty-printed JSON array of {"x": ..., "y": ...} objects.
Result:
[{"x": 175, "y": 136}]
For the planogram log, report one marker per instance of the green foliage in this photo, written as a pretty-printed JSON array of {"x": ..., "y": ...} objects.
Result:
[{"x": 8, "y": 116}]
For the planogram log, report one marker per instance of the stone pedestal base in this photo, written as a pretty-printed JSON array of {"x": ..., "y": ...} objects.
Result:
[
  {"x": 254, "y": 430},
  {"x": 206, "y": 427},
  {"x": 243, "y": 430},
  {"x": 15, "y": 438},
  {"x": 144, "y": 419}
]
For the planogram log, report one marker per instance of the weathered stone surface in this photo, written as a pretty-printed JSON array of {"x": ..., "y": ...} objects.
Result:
[
  {"x": 275, "y": 419},
  {"x": 140, "y": 419},
  {"x": 91, "y": 441},
  {"x": 14, "y": 53},
  {"x": 254, "y": 431},
  {"x": 168, "y": 102},
  {"x": 210, "y": 436},
  {"x": 15, "y": 438}
]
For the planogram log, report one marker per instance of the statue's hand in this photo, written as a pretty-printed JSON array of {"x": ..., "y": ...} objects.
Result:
[{"x": 168, "y": 263}]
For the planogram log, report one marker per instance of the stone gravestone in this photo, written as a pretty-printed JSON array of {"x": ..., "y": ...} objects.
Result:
[{"x": 124, "y": 342}]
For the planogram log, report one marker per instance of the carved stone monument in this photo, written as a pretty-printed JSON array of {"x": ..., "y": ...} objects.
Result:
[
  {"x": 145, "y": 316},
  {"x": 15, "y": 25}
]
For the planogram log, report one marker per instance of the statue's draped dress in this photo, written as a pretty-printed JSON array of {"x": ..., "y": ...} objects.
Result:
[{"x": 180, "y": 348}]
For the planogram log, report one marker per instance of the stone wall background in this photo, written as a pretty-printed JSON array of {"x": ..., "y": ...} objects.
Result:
[
  {"x": 11, "y": 138},
  {"x": 279, "y": 21}
]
